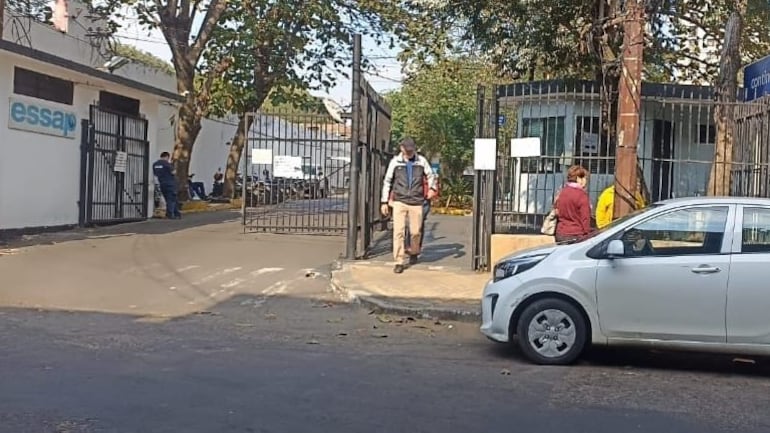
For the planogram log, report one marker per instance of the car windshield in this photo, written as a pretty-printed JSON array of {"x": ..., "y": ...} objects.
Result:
[{"x": 619, "y": 221}]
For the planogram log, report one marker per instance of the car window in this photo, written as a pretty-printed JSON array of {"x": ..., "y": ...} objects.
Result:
[
  {"x": 755, "y": 236},
  {"x": 697, "y": 230}
]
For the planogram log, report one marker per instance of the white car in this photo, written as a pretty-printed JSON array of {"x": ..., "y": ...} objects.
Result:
[{"x": 689, "y": 274}]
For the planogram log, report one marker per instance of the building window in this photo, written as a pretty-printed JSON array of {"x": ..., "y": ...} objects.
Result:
[
  {"x": 118, "y": 103},
  {"x": 41, "y": 86},
  {"x": 551, "y": 133},
  {"x": 707, "y": 134},
  {"x": 592, "y": 148}
]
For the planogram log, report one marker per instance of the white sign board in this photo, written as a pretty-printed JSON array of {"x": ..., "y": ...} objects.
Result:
[
  {"x": 590, "y": 143},
  {"x": 485, "y": 154},
  {"x": 262, "y": 156},
  {"x": 286, "y": 166},
  {"x": 42, "y": 117},
  {"x": 121, "y": 159},
  {"x": 528, "y": 147}
]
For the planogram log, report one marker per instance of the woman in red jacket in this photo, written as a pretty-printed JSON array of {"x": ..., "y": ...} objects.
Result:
[{"x": 573, "y": 207}]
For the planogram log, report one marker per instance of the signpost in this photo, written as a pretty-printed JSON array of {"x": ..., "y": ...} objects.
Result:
[{"x": 756, "y": 79}]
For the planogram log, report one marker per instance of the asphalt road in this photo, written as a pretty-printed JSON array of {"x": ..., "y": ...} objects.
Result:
[
  {"x": 266, "y": 347},
  {"x": 303, "y": 363}
]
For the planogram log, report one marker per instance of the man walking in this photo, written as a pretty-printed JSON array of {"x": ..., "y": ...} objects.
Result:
[
  {"x": 404, "y": 178},
  {"x": 164, "y": 171}
]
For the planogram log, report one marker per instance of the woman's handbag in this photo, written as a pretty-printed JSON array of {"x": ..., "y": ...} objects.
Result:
[{"x": 550, "y": 221}]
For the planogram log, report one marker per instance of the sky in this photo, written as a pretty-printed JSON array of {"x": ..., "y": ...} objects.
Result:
[{"x": 385, "y": 76}]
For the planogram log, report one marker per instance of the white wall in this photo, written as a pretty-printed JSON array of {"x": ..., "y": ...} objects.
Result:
[{"x": 40, "y": 174}]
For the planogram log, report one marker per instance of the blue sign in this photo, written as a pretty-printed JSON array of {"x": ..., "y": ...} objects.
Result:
[
  {"x": 436, "y": 167},
  {"x": 756, "y": 79},
  {"x": 501, "y": 120},
  {"x": 42, "y": 118}
]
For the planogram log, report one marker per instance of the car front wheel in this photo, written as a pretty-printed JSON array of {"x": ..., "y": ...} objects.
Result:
[{"x": 551, "y": 332}]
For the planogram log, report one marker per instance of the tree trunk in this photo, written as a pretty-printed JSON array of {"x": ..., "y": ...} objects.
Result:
[
  {"x": 234, "y": 157},
  {"x": 188, "y": 127},
  {"x": 720, "y": 179}
]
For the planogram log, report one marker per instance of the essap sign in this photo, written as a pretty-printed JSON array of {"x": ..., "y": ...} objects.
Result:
[
  {"x": 756, "y": 79},
  {"x": 42, "y": 118}
]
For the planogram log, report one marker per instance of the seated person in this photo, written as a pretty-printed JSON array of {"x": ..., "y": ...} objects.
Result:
[
  {"x": 636, "y": 244},
  {"x": 196, "y": 188}
]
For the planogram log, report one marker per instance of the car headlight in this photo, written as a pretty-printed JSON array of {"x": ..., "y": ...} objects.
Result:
[{"x": 513, "y": 266}]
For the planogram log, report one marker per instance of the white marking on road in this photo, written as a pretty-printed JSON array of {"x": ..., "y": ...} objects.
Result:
[
  {"x": 217, "y": 274},
  {"x": 436, "y": 268},
  {"x": 188, "y": 268},
  {"x": 232, "y": 283},
  {"x": 275, "y": 288},
  {"x": 265, "y": 271}
]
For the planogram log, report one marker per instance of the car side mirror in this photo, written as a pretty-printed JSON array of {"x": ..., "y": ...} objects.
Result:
[{"x": 615, "y": 249}]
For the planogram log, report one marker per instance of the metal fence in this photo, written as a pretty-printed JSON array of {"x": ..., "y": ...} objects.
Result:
[
  {"x": 575, "y": 122},
  {"x": 114, "y": 168},
  {"x": 370, "y": 136},
  {"x": 296, "y": 176}
]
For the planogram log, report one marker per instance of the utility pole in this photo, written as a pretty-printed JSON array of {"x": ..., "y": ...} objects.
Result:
[{"x": 629, "y": 106}]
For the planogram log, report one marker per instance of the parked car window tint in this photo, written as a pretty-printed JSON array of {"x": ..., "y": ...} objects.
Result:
[
  {"x": 683, "y": 232},
  {"x": 755, "y": 237}
]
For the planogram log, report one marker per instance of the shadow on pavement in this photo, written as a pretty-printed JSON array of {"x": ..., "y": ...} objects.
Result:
[{"x": 150, "y": 227}]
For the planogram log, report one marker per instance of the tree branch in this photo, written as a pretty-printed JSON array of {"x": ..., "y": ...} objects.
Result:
[{"x": 214, "y": 12}]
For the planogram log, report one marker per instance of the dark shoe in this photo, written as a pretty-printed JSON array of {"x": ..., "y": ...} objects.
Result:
[
  {"x": 398, "y": 269},
  {"x": 413, "y": 259}
]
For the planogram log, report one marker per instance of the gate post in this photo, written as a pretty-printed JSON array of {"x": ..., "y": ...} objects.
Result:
[
  {"x": 484, "y": 185},
  {"x": 353, "y": 193},
  {"x": 85, "y": 135}
]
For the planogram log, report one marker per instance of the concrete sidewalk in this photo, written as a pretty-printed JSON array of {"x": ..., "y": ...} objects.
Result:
[{"x": 423, "y": 290}]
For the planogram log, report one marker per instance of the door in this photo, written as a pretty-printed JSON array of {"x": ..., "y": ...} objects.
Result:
[
  {"x": 662, "y": 157},
  {"x": 748, "y": 295},
  {"x": 672, "y": 282}
]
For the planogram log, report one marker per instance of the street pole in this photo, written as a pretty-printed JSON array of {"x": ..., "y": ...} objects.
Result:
[
  {"x": 629, "y": 106},
  {"x": 352, "y": 239}
]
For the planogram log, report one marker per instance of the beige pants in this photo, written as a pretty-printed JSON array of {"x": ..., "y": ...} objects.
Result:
[{"x": 403, "y": 213}]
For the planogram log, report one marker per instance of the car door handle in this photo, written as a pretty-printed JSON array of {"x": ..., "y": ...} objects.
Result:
[{"x": 705, "y": 270}]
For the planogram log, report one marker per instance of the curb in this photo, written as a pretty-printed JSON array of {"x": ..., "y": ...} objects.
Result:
[{"x": 351, "y": 292}]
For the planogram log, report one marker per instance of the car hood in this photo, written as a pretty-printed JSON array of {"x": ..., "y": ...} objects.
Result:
[{"x": 535, "y": 251}]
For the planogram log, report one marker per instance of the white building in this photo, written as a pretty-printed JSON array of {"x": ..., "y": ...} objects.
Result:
[{"x": 51, "y": 83}]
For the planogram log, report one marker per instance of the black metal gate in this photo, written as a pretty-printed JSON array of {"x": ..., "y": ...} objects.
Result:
[
  {"x": 296, "y": 173},
  {"x": 114, "y": 168}
]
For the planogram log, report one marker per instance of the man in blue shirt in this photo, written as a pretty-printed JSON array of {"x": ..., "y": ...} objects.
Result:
[{"x": 164, "y": 171}]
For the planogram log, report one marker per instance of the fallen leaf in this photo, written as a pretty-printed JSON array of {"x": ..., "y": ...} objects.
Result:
[
  {"x": 313, "y": 342},
  {"x": 334, "y": 320},
  {"x": 270, "y": 316},
  {"x": 384, "y": 319},
  {"x": 505, "y": 372},
  {"x": 342, "y": 334},
  {"x": 380, "y": 335}
]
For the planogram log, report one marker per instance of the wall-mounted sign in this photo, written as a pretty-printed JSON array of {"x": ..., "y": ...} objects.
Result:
[
  {"x": 756, "y": 79},
  {"x": 528, "y": 147},
  {"x": 485, "y": 154},
  {"x": 121, "y": 160},
  {"x": 289, "y": 167},
  {"x": 262, "y": 156},
  {"x": 41, "y": 117}
]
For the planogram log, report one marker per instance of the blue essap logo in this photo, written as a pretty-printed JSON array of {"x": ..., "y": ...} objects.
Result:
[{"x": 56, "y": 121}]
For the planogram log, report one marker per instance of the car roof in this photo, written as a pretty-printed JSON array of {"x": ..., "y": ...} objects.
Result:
[{"x": 717, "y": 200}]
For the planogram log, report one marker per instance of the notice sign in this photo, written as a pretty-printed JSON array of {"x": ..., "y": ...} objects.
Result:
[
  {"x": 485, "y": 154},
  {"x": 121, "y": 159},
  {"x": 528, "y": 147},
  {"x": 262, "y": 156},
  {"x": 289, "y": 167}
]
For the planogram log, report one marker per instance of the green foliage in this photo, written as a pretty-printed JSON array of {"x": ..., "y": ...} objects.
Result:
[
  {"x": 582, "y": 39},
  {"x": 437, "y": 107},
  {"x": 145, "y": 58},
  {"x": 280, "y": 49}
]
